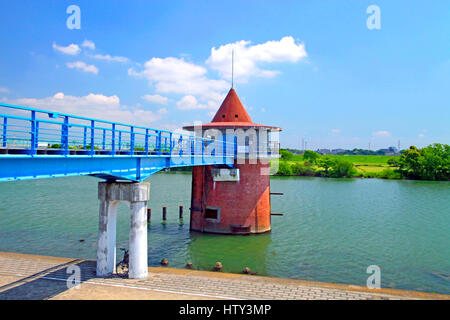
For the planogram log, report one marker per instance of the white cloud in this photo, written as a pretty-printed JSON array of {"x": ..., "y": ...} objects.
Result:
[
  {"x": 190, "y": 103},
  {"x": 92, "y": 105},
  {"x": 382, "y": 133},
  {"x": 88, "y": 44},
  {"x": 110, "y": 58},
  {"x": 155, "y": 98},
  {"x": 162, "y": 111},
  {"x": 336, "y": 130},
  {"x": 4, "y": 90},
  {"x": 248, "y": 58},
  {"x": 174, "y": 128},
  {"x": 82, "y": 66},
  {"x": 174, "y": 75},
  {"x": 421, "y": 135},
  {"x": 71, "y": 49}
]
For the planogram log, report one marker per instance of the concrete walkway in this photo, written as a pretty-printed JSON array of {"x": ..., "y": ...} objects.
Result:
[{"x": 38, "y": 277}]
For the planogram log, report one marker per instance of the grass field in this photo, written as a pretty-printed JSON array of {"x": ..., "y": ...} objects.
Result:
[{"x": 367, "y": 165}]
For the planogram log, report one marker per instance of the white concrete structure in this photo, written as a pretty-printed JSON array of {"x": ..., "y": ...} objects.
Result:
[{"x": 136, "y": 196}]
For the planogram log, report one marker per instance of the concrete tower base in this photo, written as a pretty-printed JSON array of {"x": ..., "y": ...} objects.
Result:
[{"x": 136, "y": 196}]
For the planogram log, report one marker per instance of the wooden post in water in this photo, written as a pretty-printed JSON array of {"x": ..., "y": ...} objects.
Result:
[
  {"x": 181, "y": 212},
  {"x": 149, "y": 214},
  {"x": 164, "y": 213}
]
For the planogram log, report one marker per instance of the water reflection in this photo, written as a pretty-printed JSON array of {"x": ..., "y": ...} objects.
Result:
[{"x": 235, "y": 252}]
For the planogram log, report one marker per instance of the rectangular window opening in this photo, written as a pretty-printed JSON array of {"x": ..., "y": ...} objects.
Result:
[{"x": 212, "y": 213}]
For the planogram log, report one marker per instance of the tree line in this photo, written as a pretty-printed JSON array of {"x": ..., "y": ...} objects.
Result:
[
  {"x": 429, "y": 163},
  {"x": 314, "y": 164}
]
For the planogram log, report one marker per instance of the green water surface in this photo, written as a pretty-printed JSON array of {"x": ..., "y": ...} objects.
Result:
[{"x": 332, "y": 229}]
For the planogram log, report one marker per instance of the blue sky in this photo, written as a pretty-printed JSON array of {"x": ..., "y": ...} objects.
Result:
[{"x": 310, "y": 67}]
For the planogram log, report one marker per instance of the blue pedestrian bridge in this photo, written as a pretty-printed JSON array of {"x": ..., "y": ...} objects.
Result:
[{"x": 36, "y": 144}]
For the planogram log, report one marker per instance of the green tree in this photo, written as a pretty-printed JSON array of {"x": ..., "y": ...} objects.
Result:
[
  {"x": 300, "y": 169},
  {"x": 429, "y": 163},
  {"x": 310, "y": 156},
  {"x": 435, "y": 162},
  {"x": 408, "y": 163},
  {"x": 392, "y": 162},
  {"x": 284, "y": 168},
  {"x": 325, "y": 162},
  {"x": 286, "y": 155},
  {"x": 342, "y": 168}
]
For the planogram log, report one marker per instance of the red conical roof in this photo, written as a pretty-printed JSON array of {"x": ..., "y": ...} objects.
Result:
[
  {"x": 232, "y": 110},
  {"x": 231, "y": 114}
]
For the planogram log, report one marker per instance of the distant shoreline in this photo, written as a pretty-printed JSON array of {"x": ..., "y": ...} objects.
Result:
[
  {"x": 430, "y": 163},
  {"x": 364, "y": 167},
  {"x": 421, "y": 165}
]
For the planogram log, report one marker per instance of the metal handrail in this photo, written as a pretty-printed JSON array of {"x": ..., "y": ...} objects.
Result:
[{"x": 92, "y": 137}]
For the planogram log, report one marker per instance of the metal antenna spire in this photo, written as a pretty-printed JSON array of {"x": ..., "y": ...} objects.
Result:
[{"x": 232, "y": 68}]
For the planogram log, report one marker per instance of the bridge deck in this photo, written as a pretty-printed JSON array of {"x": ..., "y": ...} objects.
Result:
[{"x": 36, "y": 143}]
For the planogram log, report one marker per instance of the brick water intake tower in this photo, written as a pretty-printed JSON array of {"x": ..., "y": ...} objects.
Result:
[{"x": 234, "y": 200}]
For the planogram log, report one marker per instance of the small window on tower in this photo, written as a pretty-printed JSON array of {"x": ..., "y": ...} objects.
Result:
[
  {"x": 223, "y": 116},
  {"x": 212, "y": 213},
  {"x": 235, "y": 115}
]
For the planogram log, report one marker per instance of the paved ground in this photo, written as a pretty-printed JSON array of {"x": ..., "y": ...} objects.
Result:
[{"x": 37, "y": 277}]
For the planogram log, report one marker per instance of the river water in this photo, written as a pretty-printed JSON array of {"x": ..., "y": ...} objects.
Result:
[{"x": 331, "y": 231}]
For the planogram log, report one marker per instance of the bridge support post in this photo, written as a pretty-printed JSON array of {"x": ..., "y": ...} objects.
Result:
[
  {"x": 136, "y": 196},
  {"x": 138, "y": 267},
  {"x": 106, "y": 251}
]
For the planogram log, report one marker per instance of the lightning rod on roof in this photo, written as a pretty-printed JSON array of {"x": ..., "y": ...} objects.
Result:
[{"x": 232, "y": 68}]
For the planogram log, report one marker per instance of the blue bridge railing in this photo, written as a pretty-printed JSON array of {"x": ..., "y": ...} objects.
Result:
[{"x": 89, "y": 146}]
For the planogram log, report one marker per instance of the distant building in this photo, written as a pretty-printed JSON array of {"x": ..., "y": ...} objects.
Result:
[
  {"x": 323, "y": 151},
  {"x": 391, "y": 151},
  {"x": 337, "y": 151}
]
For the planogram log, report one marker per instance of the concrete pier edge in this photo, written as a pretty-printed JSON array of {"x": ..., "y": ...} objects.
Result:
[{"x": 153, "y": 272}]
